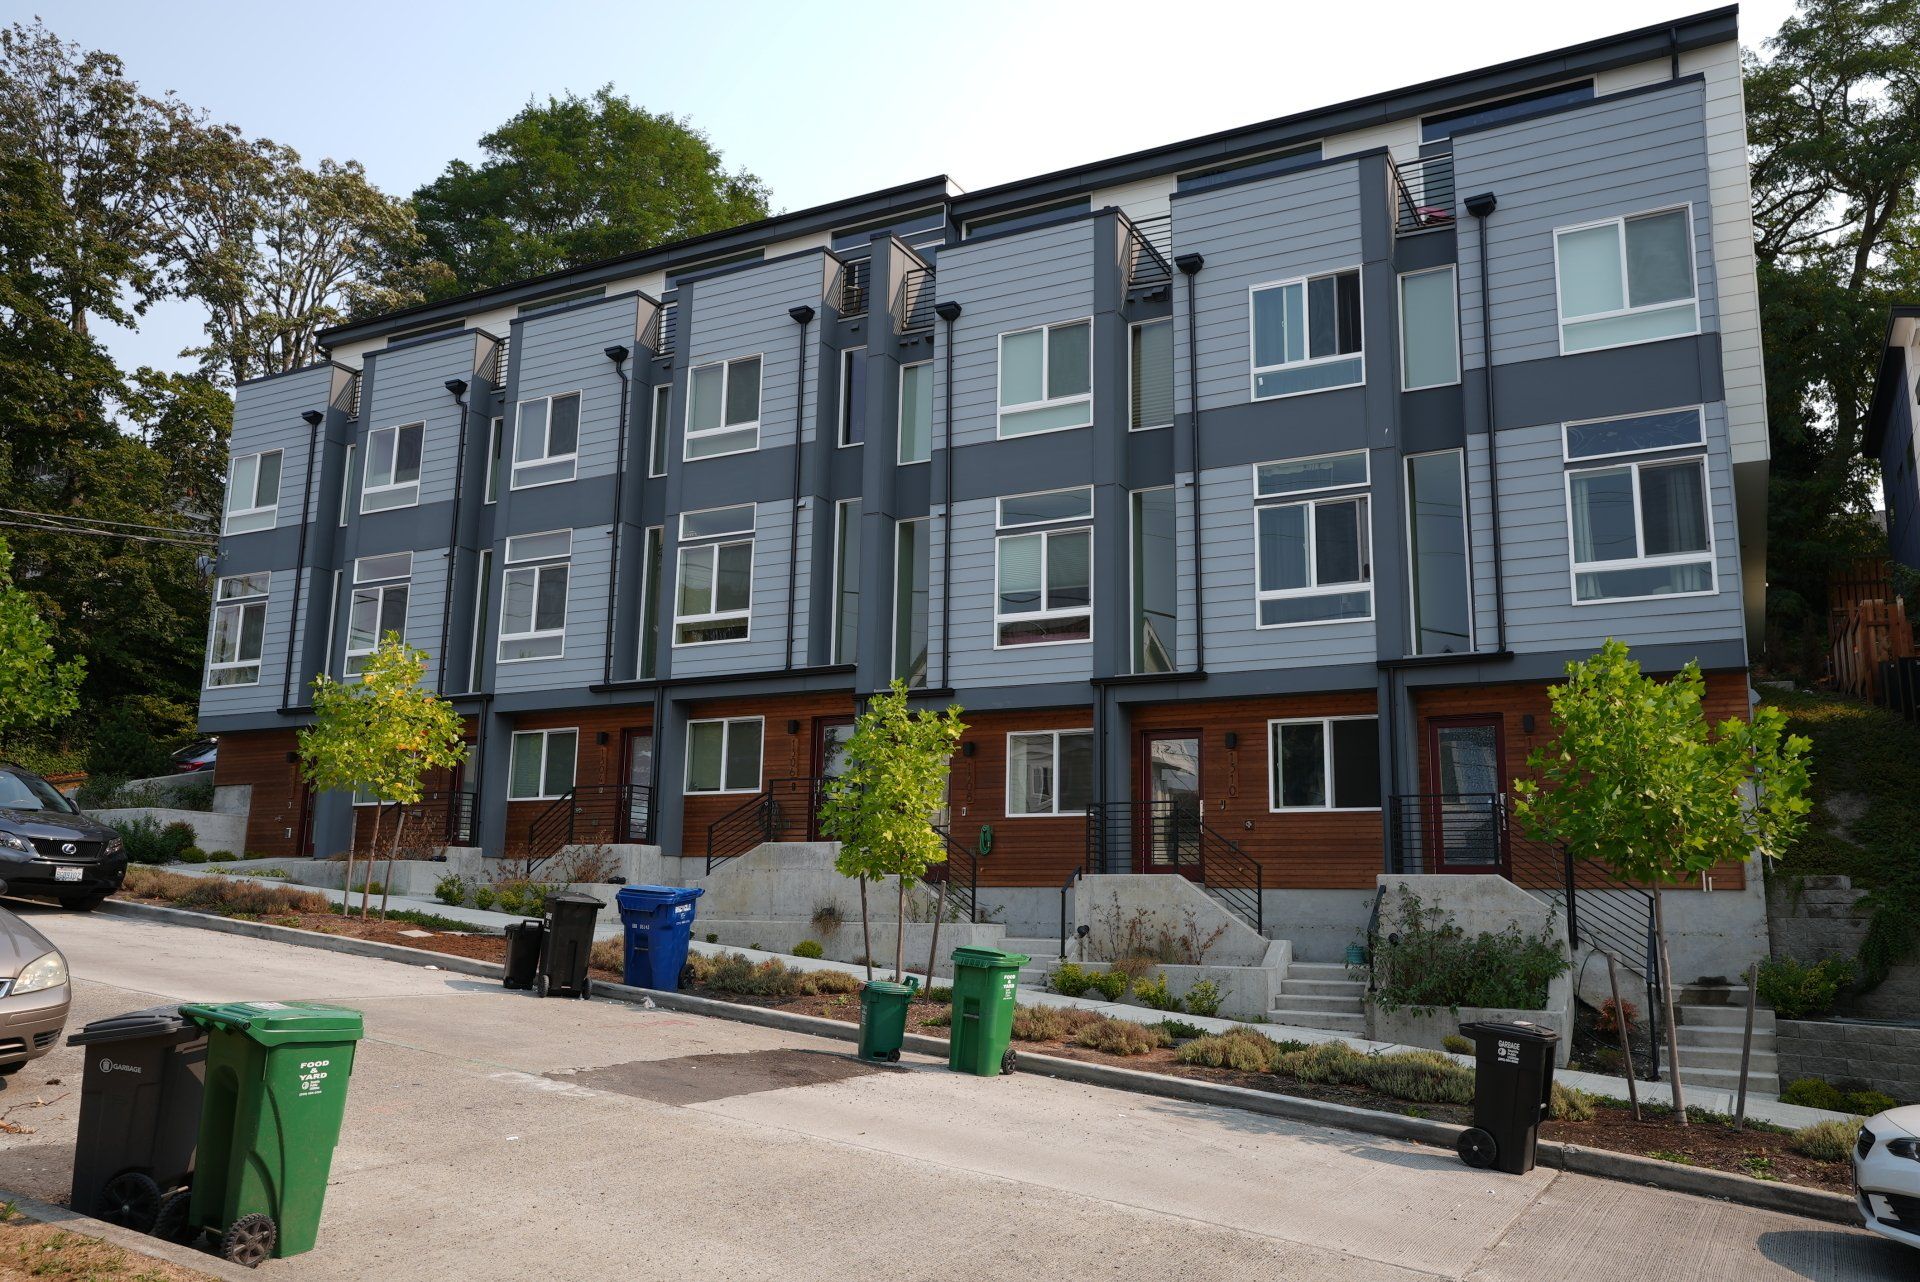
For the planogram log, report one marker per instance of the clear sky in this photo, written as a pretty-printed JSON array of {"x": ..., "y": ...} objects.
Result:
[{"x": 821, "y": 101}]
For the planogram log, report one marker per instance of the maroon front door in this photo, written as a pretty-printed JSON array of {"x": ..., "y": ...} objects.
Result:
[
  {"x": 636, "y": 752},
  {"x": 1166, "y": 822},
  {"x": 1464, "y": 817},
  {"x": 830, "y": 735}
]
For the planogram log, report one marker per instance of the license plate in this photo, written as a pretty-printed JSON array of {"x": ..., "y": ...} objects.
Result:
[{"x": 67, "y": 874}]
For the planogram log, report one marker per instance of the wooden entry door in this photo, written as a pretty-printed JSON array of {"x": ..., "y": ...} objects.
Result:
[
  {"x": 634, "y": 819},
  {"x": 1466, "y": 815},
  {"x": 1166, "y": 822}
]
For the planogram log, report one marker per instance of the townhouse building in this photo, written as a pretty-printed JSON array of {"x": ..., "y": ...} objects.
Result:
[
  {"x": 1889, "y": 438},
  {"x": 1247, "y": 493}
]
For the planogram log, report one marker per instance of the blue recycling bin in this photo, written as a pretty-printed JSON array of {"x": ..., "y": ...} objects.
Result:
[{"x": 658, "y": 921}]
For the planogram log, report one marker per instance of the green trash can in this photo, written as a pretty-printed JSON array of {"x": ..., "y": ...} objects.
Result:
[
  {"x": 984, "y": 980},
  {"x": 883, "y": 1018},
  {"x": 276, "y": 1090}
]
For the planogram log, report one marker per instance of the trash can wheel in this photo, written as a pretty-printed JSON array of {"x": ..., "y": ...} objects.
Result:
[
  {"x": 1476, "y": 1148},
  {"x": 1009, "y": 1061},
  {"x": 249, "y": 1240},
  {"x": 539, "y": 985},
  {"x": 170, "y": 1224},
  {"x": 130, "y": 1199},
  {"x": 893, "y": 1057}
]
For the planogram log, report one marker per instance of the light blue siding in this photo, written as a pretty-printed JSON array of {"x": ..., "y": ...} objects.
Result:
[
  {"x": 265, "y": 696},
  {"x": 765, "y": 646},
  {"x": 565, "y": 351},
  {"x": 975, "y": 661},
  {"x": 409, "y": 386},
  {"x": 744, "y": 313},
  {"x": 582, "y": 663}
]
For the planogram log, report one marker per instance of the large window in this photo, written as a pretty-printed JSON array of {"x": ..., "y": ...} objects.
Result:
[
  {"x": 650, "y": 602},
  {"x": 916, "y": 413},
  {"x": 1046, "y": 378},
  {"x": 1306, "y": 335},
  {"x": 393, "y": 468},
  {"x": 239, "y": 629},
  {"x": 912, "y": 568},
  {"x": 658, "y": 427},
  {"x": 378, "y": 606},
  {"x": 1044, "y": 577},
  {"x": 714, "y": 596},
  {"x": 1049, "y": 772},
  {"x": 482, "y": 610},
  {"x": 1429, "y": 329},
  {"x": 846, "y": 580},
  {"x": 1640, "y": 526},
  {"x": 723, "y": 408},
  {"x": 533, "y": 596},
  {"x": 253, "y": 492},
  {"x": 496, "y": 451},
  {"x": 546, "y": 441},
  {"x": 853, "y": 396},
  {"x": 1312, "y": 559},
  {"x": 1437, "y": 554},
  {"x": 1155, "y": 579},
  {"x": 1150, "y": 375},
  {"x": 1324, "y": 763},
  {"x": 1626, "y": 280},
  {"x": 542, "y": 763},
  {"x": 346, "y": 483},
  {"x": 724, "y": 755}
]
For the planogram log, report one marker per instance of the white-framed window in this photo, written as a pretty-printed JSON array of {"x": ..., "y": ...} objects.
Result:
[
  {"x": 533, "y": 596},
  {"x": 1323, "y": 763},
  {"x": 1312, "y": 559},
  {"x": 916, "y": 413},
  {"x": 482, "y": 607},
  {"x": 239, "y": 629},
  {"x": 1150, "y": 374},
  {"x": 1155, "y": 580},
  {"x": 912, "y": 577},
  {"x": 546, "y": 441},
  {"x": 333, "y": 615},
  {"x": 542, "y": 764},
  {"x": 1440, "y": 581},
  {"x": 1046, "y": 378},
  {"x": 723, "y": 408},
  {"x": 346, "y": 483},
  {"x": 496, "y": 454},
  {"x": 1626, "y": 280},
  {"x": 378, "y": 605},
  {"x": 853, "y": 396},
  {"x": 393, "y": 467},
  {"x": 1305, "y": 335},
  {"x": 1640, "y": 526},
  {"x": 846, "y": 579},
  {"x": 1043, "y": 577},
  {"x": 723, "y": 755},
  {"x": 649, "y": 648},
  {"x": 658, "y": 429},
  {"x": 253, "y": 492},
  {"x": 713, "y": 594},
  {"x": 1049, "y": 772},
  {"x": 1429, "y": 329}
]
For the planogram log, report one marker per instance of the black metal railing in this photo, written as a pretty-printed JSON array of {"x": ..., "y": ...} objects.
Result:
[
  {"x": 916, "y": 300},
  {"x": 785, "y": 810},
  {"x": 1169, "y": 836},
  {"x": 1066, "y": 889},
  {"x": 497, "y": 366},
  {"x": 1423, "y": 193},
  {"x": 353, "y": 397},
  {"x": 440, "y": 815},
  {"x": 1149, "y": 250},
  {"x": 665, "y": 330},
  {"x": 961, "y": 873},
  {"x": 855, "y": 279},
  {"x": 591, "y": 815}
]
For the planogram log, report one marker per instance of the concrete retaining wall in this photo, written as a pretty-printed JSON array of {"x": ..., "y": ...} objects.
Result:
[
  {"x": 1246, "y": 992},
  {"x": 1429, "y": 1026},
  {"x": 844, "y": 944},
  {"x": 1885, "y": 1057},
  {"x": 1111, "y": 904},
  {"x": 212, "y": 831}
]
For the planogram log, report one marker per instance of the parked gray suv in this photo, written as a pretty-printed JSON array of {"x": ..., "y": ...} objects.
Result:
[{"x": 49, "y": 850}]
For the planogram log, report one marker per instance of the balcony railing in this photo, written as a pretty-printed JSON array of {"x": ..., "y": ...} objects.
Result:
[
  {"x": 1149, "y": 251},
  {"x": 916, "y": 300},
  {"x": 855, "y": 278},
  {"x": 665, "y": 330},
  {"x": 1423, "y": 194},
  {"x": 497, "y": 366}
]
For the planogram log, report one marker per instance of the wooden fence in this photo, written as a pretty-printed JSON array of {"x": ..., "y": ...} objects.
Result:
[{"x": 1867, "y": 634}]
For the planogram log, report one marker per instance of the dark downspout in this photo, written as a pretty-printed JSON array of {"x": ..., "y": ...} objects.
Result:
[
  {"x": 1673, "y": 49},
  {"x": 618, "y": 355},
  {"x": 1190, "y": 265},
  {"x": 314, "y": 419},
  {"x": 803, "y": 316},
  {"x": 1480, "y": 207},
  {"x": 457, "y": 386},
  {"x": 949, "y": 312}
]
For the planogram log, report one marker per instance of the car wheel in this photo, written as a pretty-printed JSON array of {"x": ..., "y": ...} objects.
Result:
[
  {"x": 8, "y": 1070},
  {"x": 85, "y": 903}
]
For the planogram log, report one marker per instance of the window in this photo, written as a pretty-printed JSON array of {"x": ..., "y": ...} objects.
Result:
[
  {"x": 1612, "y": 437},
  {"x": 1325, "y": 763},
  {"x": 1306, "y": 335},
  {"x": 239, "y": 629},
  {"x": 846, "y": 579},
  {"x": 1638, "y": 529},
  {"x": 1251, "y": 167},
  {"x": 724, "y": 755},
  {"x": 496, "y": 446},
  {"x": 714, "y": 599},
  {"x": 1429, "y": 330},
  {"x": 853, "y": 396},
  {"x": 1155, "y": 588},
  {"x": 657, "y": 429},
  {"x": 482, "y": 607},
  {"x": 1046, "y": 379},
  {"x": 533, "y": 596},
  {"x": 1626, "y": 280},
  {"x": 1479, "y": 116},
  {"x": 723, "y": 408},
  {"x": 333, "y": 613},
  {"x": 916, "y": 413},
  {"x": 346, "y": 483},
  {"x": 911, "y": 570},
  {"x": 393, "y": 468},
  {"x": 546, "y": 441},
  {"x": 1044, "y": 580},
  {"x": 253, "y": 492},
  {"x": 1150, "y": 374},
  {"x": 1049, "y": 772},
  {"x": 1437, "y": 554},
  {"x": 542, "y": 764},
  {"x": 379, "y": 607},
  {"x": 1311, "y": 558},
  {"x": 650, "y": 602}
]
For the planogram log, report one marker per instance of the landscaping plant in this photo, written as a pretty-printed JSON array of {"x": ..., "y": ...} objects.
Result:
[
  {"x": 1827, "y": 1141},
  {"x": 36, "y": 689},
  {"x": 1423, "y": 958},
  {"x": 1070, "y": 979},
  {"x": 808, "y": 948},
  {"x": 1796, "y": 991},
  {"x": 1110, "y": 984},
  {"x": 1204, "y": 998},
  {"x": 1155, "y": 995}
]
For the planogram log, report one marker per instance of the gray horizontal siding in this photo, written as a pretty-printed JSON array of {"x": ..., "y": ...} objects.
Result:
[
  {"x": 582, "y": 664},
  {"x": 744, "y": 313},
  {"x": 264, "y": 697},
  {"x": 409, "y": 386},
  {"x": 266, "y": 416},
  {"x": 565, "y": 351},
  {"x": 765, "y": 647},
  {"x": 975, "y": 661}
]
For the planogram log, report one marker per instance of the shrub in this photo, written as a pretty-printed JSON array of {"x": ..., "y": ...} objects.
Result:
[
  {"x": 522, "y": 896},
  {"x": 1867, "y": 1103},
  {"x": 1827, "y": 1141},
  {"x": 1134, "y": 966},
  {"x": 123, "y": 745},
  {"x": 99, "y": 792},
  {"x": 1154, "y": 994},
  {"x": 607, "y": 954},
  {"x": 193, "y": 855},
  {"x": 937, "y": 1019},
  {"x": 221, "y": 857},
  {"x": 712, "y": 938},
  {"x": 1425, "y": 959},
  {"x": 831, "y": 981},
  {"x": 1181, "y": 1029},
  {"x": 1049, "y": 1023},
  {"x": 1070, "y": 980},
  {"x": 737, "y": 973},
  {"x": 1120, "y": 1037},
  {"x": 1570, "y": 1104},
  {"x": 1814, "y": 1092},
  {"x": 1795, "y": 991},
  {"x": 1608, "y": 1019},
  {"x": 1457, "y": 1044},
  {"x": 808, "y": 948},
  {"x": 220, "y": 896},
  {"x": 147, "y": 842},
  {"x": 483, "y": 898},
  {"x": 827, "y": 919},
  {"x": 1110, "y": 984},
  {"x": 1204, "y": 998},
  {"x": 1240, "y": 1050},
  {"x": 938, "y": 993},
  {"x": 451, "y": 889}
]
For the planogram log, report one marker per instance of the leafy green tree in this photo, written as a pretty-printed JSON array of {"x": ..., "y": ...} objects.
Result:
[
  {"x": 574, "y": 180},
  {"x": 379, "y": 736},
  {"x": 1635, "y": 779},
  {"x": 881, "y": 807},
  {"x": 36, "y": 687}
]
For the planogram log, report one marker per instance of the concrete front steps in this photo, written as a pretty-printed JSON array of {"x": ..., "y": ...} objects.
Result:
[
  {"x": 1709, "y": 1024},
  {"x": 1044, "y": 955},
  {"x": 1321, "y": 995}
]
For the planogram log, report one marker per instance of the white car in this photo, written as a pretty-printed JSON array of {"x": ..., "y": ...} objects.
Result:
[{"x": 1886, "y": 1173}]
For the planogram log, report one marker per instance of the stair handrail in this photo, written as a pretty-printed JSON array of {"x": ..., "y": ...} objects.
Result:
[
  {"x": 546, "y": 822},
  {"x": 753, "y": 813},
  {"x": 1242, "y": 865}
]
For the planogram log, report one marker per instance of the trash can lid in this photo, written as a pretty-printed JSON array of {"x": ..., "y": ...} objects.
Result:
[
  {"x": 278, "y": 1023},
  {"x": 154, "y": 1021},
  {"x": 975, "y": 955},
  {"x": 574, "y": 897},
  {"x": 909, "y": 988},
  {"x": 1513, "y": 1030},
  {"x": 652, "y": 896}
]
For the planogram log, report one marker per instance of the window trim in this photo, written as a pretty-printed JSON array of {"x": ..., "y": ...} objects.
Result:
[
  {"x": 271, "y": 510},
  {"x": 692, "y": 434},
  {"x": 649, "y": 600},
  {"x": 538, "y": 564},
  {"x": 900, "y": 417},
  {"x": 1620, "y": 221},
  {"x": 682, "y": 546},
  {"x": 1316, "y": 589},
  {"x": 1466, "y": 532},
  {"x": 545, "y": 752},
  {"x": 1711, "y": 555},
  {"x": 241, "y": 604},
  {"x": 346, "y": 485},
  {"x": 1007, "y": 797},
  {"x": 393, "y": 457},
  {"x": 839, "y": 572},
  {"x": 1326, "y": 758},
  {"x": 841, "y": 403},
  {"x": 1133, "y": 581},
  {"x": 1001, "y": 525},
  {"x": 572, "y": 459},
  {"x": 496, "y": 441},
  {"x": 1046, "y": 536},
  {"x": 1046, "y": 370},
  {"x": 893, "y": 588},
  {"x": 1132, "y": 330},
  {"x": 482, "y": 607},
  {"x": 1255, "y": 370},
  {"x": 659, "y": 425},
  {"x": 726, "y": 738},
  {"x": 1587, "y": 460},
  {"x": 1287, "y": 496},
  {"x": 1400, "y": 302}
]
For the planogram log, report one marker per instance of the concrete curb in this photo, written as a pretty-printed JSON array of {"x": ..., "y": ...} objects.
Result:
[
  {"x": 154, "y": 1248},
  {"x": 1767, "y": 1195}
]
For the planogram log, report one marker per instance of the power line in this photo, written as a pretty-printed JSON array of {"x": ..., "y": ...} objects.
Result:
[
  {"x": 189, "y": 542},
  {"x": 98, "y": 520}
]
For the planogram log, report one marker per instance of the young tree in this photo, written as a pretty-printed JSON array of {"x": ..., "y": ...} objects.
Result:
[
  {"x": 1636, "y": 779},
  {"x": 380, "y": 735},
  {"x": 881, "y": 808},
  {"x": 35, "y": 687}
]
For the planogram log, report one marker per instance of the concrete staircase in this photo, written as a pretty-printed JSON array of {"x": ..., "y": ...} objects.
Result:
[
  {"x": 1045, "y": 955},
  {"x": 1709, "y": 1023},
  {"x": 1321, "y": 995}
]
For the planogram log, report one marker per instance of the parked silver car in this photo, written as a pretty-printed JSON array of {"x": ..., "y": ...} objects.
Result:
[{"x": 34, "y": 993}]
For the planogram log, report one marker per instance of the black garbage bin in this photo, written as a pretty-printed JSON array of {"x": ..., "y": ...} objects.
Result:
[
  {"x": 1512, "y": 1086},
  {"x": 567, "y": 946},
  {"x": 523, "y": 952},
  {"x": 145, "y": 1072}
]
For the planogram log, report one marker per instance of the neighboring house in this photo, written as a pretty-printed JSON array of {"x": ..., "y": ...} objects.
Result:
[
  {"x": 1890, "y": 436},
  {"x": 1174, "y": 470}
]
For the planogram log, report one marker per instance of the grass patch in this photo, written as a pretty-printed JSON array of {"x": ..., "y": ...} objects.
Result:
[
  {"x": 426, "y": 921},
  {"x": 1669, "y": 1155},
  {"x": 49, "y": 1254}
]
